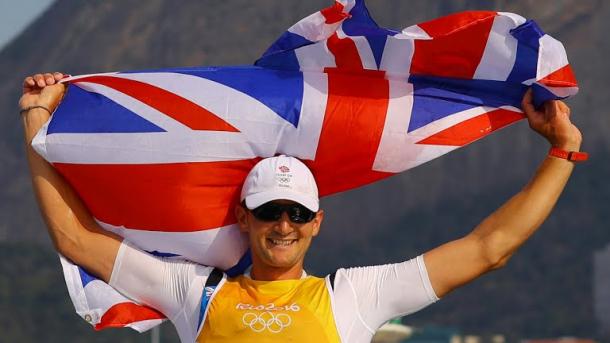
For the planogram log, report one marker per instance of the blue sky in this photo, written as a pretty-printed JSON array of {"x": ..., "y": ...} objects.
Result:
[{"x": 15, "y": 15}]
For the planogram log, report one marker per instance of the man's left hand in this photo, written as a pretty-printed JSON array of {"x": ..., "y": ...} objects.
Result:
[{"x": 552, "y": 121}]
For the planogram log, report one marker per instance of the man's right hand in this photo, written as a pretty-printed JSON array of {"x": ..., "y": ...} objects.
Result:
[{"x": 42, "y": 90}]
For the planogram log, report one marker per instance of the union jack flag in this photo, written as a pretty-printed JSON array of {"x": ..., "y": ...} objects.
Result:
[{"x": 159, "y": 156}]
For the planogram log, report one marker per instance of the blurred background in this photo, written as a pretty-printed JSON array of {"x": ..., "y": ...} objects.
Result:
[{"x": 557, "y": 285}]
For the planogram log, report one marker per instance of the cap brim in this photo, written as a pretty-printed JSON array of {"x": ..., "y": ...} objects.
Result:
[{"x": 255, "y": 200}]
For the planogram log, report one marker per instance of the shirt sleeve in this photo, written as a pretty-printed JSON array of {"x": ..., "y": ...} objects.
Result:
[
  {"x": 157, "y": 282},
  {"x": 388, "y": 291}
]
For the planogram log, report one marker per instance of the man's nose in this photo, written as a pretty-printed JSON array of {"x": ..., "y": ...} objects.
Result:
[{"x": 284, "y": 225}]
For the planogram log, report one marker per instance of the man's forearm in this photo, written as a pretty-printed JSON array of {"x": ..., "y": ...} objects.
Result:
[
  {"x": 511, "y": 225},
  {"x": 68, "y": 221},
  {"x": 49, "y": 198},
  {"x": 495, "y": 239}
]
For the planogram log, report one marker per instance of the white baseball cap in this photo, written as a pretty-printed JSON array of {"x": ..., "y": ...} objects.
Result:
[{"x": 280, "y": 177}]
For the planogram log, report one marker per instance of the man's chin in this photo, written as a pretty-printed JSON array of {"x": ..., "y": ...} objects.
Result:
[
  {"x": 284, "y": 263},
  {"x": 281, "y": 261}
]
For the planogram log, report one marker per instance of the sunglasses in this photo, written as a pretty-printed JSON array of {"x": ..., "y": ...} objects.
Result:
[{"x": 271, "y": 211}]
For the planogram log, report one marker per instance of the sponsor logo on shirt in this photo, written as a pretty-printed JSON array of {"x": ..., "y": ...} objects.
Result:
[{"x": 209, "y": 291}]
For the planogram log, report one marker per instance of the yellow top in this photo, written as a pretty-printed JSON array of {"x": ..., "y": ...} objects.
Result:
[{"x": 246, "y": 310}]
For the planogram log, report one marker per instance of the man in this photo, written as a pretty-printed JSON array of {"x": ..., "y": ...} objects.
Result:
[{"x": 277, "y": 300}]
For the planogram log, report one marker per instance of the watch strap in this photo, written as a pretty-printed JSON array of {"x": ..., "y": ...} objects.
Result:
[{"x": 574, "y": 156}]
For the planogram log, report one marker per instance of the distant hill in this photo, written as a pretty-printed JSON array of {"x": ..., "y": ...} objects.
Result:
[{"x": 545, "y": 290}]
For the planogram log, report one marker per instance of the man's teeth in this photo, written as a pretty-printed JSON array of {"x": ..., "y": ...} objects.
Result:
[{"x": 282, "y": 242}]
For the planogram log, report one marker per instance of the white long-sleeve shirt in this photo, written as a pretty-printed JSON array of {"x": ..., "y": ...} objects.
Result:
[{"x": 350, "y": 309}]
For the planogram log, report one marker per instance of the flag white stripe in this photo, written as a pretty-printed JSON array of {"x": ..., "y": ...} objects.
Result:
[
  {"x": 315, "y": 57},
  {"x": 397, "y": 56},
  {"x": 552, "y": 56},
  {"x": 397, "y": 150},
  {"x": 517, "y": 19},
  {"x": 454, "y": 119},
  {"x": 145, "y": 325},
  {"x": 221, "y": 247},
  {"x": 303, "y": 143},
  {"x": 347, "y": 5},
  {"x": 500, "y": 52},
  {"x": 144, "y": 148},
  {"x": 415, "y": 32},
  {"x": 72, "y": 79},
  {"x": 562, "y": 92}
]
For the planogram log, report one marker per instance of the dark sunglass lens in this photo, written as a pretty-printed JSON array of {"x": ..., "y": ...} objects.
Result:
[
  {"x": 300, "y": 214},
  {"x": 268, "y": 212}
]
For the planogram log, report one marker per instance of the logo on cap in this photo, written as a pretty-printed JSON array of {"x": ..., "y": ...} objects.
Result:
[{"x": 284, "y": 169}]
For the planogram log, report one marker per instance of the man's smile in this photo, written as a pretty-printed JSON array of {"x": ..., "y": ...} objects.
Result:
[{"x": 281, "y": 242}]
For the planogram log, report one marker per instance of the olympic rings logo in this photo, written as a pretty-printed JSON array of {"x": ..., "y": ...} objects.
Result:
[{"x": 274, "y": 323}]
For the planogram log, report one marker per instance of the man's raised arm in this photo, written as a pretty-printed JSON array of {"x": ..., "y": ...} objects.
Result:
[
  {"x": 74, "y": 232},
  {"x": 495, "y": 239}
]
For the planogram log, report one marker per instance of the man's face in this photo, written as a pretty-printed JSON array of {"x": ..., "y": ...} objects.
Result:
[{"x": 281, "y": 243}]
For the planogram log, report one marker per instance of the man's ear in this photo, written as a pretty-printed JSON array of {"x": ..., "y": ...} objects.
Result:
[
  {"x": 317, "y": 222},
  {"x": 241, "y": 214}
]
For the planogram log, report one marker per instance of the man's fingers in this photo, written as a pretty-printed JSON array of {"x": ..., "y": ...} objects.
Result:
[
  {"x": 42, "y": 80},
  {"x": 39, "y": 80},
  {"x": 29, "y": 82},
  {"x": 557, "y": 108},
  {"x": 550, "y": 109},
  {"x": 527, "y": 104},
  {"x": 49, "y": 78},
  {"x": 564, "y": 108}
]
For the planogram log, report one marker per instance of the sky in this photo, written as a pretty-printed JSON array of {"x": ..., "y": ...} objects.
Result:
[{"x": 15, "y": 15}]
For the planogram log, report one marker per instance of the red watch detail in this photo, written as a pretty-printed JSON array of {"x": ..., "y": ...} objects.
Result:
[{"x": 574, "y": 156}]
